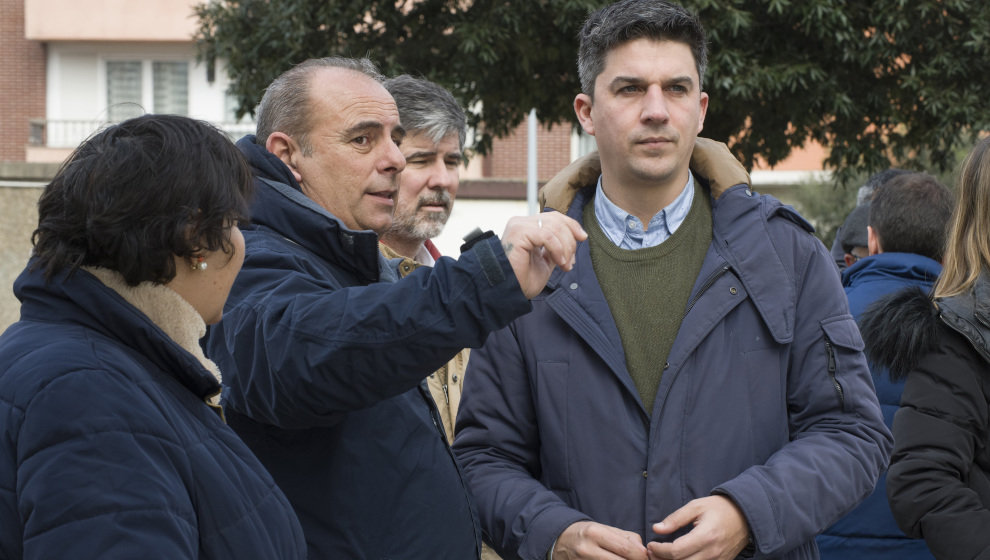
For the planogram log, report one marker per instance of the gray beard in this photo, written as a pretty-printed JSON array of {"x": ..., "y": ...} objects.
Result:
[{"x": 416, "y": 226}]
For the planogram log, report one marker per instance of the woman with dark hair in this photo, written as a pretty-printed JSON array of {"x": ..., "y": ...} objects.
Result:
[
  {"x": 938, "y": 484},
  {"x": 111, "y": 442}
]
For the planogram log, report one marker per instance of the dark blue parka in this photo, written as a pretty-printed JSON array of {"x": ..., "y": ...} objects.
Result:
[
  {"x": 325, "y": 356},
  {"x": 107, "y": 448},
  {"x": 765, "y": 398},
  {"x": 869, "y": 532}
]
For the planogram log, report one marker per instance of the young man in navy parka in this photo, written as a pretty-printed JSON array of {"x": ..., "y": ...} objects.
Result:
[{"x": 695, "y": 386}]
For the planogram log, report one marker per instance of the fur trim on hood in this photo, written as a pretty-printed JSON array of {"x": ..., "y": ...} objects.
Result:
[
  {"x": 899, "y": 329},
  {"x": 710, "y": 160},
  {"x": 166, "y": 309}
]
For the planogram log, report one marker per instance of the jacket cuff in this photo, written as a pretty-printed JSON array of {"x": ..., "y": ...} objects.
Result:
[
  {"x": 472, "y": 238},
  {"x": 481, "y": 244},
  {"x": 749, "y": 496},
  {"x": 544, "y": 531}
]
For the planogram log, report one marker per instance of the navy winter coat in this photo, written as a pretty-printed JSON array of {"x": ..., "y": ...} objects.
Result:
[
  {"x": 869, "y": 532},
  {"x": 326, "y": 358},
  {"x": 107, "y": 448},
  {"x": 765, "y": 397}
]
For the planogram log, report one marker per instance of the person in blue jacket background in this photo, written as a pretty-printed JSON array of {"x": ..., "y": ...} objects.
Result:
[
  {"x": 326, "y": 350},
  {"x": 111, "y": 442},
  {"x": 863, "y": 195},
  {"x": 905, "y": 235},
  {"x": 695, "y": 386}
]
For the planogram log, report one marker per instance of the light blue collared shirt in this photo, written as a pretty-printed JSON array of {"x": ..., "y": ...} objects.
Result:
[{"x": 626, "y": 230}]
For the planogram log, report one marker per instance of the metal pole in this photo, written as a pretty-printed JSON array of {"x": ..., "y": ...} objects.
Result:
[{"x": 531, "y": 184}]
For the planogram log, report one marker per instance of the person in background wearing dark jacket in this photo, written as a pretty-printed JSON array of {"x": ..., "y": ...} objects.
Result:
[
  {"x": 855, "y": 235},
  {"x": 938, "y": 485},
  {"x": 863, "y": 196},
  {"x": 695, "y": 386},
  {"x": 110, "y": 446},
  {"x": 905, "y": 236},
  {"x": 326, "y": 350},
  {"x": 436, "y": 128}
]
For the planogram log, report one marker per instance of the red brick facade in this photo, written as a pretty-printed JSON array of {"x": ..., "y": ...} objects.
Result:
[
  {"x": 508, "y": 156},
  {"x": 22, "y": 89}
]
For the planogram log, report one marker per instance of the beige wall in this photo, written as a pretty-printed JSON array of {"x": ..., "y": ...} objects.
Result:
[
  {"x": 18, "y": 218},
  {"x": 113, "y": 20}
]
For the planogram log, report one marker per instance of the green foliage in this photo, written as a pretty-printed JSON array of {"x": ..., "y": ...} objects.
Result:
[
  {"x": 876, "y": 82},
  {"x": 880, "y": 83},
  {"x": 826, "y": 205}
]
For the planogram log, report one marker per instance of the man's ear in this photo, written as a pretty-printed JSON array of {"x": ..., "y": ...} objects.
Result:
[
  {"x": 703, "y": 110},
  {"x": 873, "y": 242},
  {"x": 285, "y": 148},
  {"x": 582, "y": 108}
]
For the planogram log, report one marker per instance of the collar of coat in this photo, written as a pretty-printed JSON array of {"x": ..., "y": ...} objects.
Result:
[
  {"x": 303, "y": 222},
  {"x": 134, "y": 318},
  {"x": 899, "y": 328},
  {"x": 740, "y": 227},
  {"x": 280, "y": 205},
  {"x": 969, "y": 315},
  {"x": 403, "y": 264},
  {"x": 710, "y": 159},
  {"x": 168, "y": 311}
]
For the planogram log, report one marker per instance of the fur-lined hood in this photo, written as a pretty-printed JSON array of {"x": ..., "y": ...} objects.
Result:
[
  {"x": 152, "y": 320},
  {"x": 166, "y": 309},
  {"x": 900, "y": 328},
  {"x": 710, "y": 160}
]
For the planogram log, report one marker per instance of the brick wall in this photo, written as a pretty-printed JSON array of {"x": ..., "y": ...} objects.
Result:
[
  {"x": 508, "y": 156},
  {"x": 22, "y": 87}
]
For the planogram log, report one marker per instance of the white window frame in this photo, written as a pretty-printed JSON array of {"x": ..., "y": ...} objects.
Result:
[{"x": 147, "y": 81}]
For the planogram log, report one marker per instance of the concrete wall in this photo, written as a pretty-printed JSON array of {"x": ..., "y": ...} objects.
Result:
[{"x": 18, "y": 218}]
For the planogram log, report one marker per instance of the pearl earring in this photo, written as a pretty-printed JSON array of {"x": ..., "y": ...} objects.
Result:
[{"x": 200, "y": 264}]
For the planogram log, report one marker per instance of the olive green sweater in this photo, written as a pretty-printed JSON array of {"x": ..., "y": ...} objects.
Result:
[{"x": 648, "y": 289}]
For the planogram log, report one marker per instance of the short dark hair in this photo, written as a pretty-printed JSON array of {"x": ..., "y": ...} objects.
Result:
[
  {"x": 136, "y": 193},
  {"x": 285, "y": 105},
  {"x": 910, "y": 214},
  {"x": 627, "y": 20},
  {"x": 428, "y": 108},
  {"x": 865, "y": 192}
]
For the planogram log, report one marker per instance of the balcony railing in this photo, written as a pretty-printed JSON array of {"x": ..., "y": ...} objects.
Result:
[{"x": 70, "y": 133}]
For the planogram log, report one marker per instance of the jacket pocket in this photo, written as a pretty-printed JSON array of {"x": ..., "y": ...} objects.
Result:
[{"x": 843, "y": 351}]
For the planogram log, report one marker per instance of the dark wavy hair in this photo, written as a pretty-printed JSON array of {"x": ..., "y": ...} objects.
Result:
[
  {"x": 136, "y": 193},
  {"x": 626, "y": 20}
]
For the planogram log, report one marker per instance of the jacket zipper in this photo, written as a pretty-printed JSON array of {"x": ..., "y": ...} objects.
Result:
[
  {"x": 704, "y": 288},
  {"x": 830, "y": 352}
]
